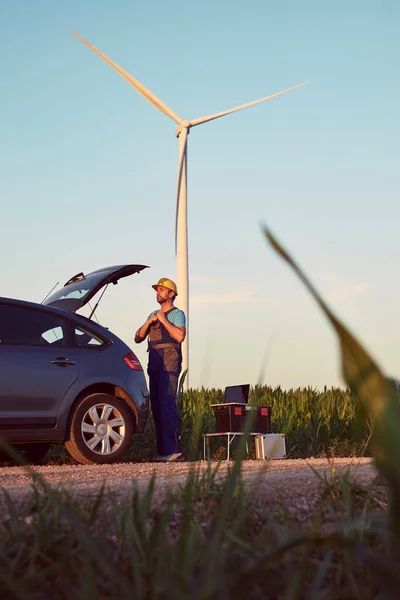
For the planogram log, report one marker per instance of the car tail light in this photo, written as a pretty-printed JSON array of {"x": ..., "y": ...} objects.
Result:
[{"x": 133, "y": 362}]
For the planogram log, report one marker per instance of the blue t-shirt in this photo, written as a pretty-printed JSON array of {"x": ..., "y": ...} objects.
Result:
[{"x": 175, "y": 316}]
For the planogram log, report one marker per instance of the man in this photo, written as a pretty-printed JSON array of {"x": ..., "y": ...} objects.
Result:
[{"x": 166, "y": 329}]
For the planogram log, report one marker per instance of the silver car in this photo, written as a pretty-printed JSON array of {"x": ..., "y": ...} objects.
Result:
[{"x": 65, "y": 378}]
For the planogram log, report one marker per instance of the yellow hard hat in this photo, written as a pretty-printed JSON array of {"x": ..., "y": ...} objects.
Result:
[{"x": 168, "y": 283}]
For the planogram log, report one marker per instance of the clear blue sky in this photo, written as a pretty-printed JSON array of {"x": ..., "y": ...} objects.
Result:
[{"x": 88, "y": 170}]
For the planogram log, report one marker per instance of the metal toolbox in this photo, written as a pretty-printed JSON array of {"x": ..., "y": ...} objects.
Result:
[{"x": 270, "y": 446}]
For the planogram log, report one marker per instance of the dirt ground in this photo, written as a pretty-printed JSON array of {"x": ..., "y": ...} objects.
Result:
[{"x": 292, "y": 481}]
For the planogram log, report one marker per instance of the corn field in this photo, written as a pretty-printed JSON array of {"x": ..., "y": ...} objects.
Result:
[{"x": 317, "y": 423}]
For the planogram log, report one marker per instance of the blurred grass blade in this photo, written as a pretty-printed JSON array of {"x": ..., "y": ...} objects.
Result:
[{"x": 373, "y": 389}]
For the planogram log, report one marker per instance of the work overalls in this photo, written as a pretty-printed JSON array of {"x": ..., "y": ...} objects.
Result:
[{"x": 165, "y": 362}]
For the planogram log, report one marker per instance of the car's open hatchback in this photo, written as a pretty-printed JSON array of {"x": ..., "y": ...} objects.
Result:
[{"x": 81, "y": 288}]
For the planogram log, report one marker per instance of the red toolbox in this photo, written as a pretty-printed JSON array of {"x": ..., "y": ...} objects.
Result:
[
  {"x": 229, "y": 418},
  {"x": 261, "y": 416},
  {"x": 231, "y": 415}
]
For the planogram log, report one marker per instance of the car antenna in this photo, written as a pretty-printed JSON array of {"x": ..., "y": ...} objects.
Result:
[
  {"x": 45, "y": 298},
  {"x": 98, "y": 302}
]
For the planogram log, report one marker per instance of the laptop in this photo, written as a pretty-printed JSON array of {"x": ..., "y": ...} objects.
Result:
[{"x": 235, "y": 394}]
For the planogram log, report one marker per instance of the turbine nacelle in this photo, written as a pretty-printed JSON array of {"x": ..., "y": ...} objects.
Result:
[{"x": 183, "y": 125}]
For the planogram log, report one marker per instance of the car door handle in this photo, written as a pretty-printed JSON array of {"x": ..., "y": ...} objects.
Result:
[{"x": 61, "y": 361}]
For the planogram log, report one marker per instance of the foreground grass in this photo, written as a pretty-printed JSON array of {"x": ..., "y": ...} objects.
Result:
[{"x": 210, "y": 539}]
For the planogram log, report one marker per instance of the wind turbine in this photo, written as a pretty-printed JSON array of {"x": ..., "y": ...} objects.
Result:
[{"x": 182, "y": 131}]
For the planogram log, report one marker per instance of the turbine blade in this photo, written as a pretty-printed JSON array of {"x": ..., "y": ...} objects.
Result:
[
  {"x": 202, "y": 120},
  {"x": 139, "y": 87},
  {"x": 181, "y": 166}
]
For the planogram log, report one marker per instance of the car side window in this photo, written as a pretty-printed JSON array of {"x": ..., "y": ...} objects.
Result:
[
  {"x": 85, "y": 338},
  {"x": 30, "y": 327},
  {"x": 54, "y": 336}
]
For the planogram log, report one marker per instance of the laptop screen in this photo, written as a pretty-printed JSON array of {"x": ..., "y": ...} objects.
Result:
[{"x": 238, "y": 394}]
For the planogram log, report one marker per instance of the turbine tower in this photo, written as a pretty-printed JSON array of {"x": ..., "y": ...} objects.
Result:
[{"x": 181, "y": 132}]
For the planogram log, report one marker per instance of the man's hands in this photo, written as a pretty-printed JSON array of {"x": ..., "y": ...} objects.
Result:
[
  {"x": 142, "y": 332},
  {"x": 160, "y": 316},
  {"x": 177, "y": 333}
]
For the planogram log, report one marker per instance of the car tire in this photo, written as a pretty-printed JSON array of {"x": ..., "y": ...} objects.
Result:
[{"x": 101, "y": 430}]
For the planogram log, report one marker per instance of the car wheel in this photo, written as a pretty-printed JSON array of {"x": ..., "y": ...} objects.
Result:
[{"x": 101, "y": 430}]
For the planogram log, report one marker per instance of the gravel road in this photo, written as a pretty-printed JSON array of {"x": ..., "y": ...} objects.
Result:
[{"x": 293, "y": 481}]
